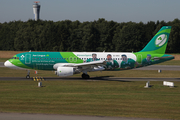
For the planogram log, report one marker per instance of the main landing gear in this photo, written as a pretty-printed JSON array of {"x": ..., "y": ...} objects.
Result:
[
  {"x": 28, "y": 75},
  {"x": 85, "y": 76}
]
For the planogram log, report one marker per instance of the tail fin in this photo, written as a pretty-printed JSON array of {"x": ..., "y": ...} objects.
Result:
[{"x": 159, "y": 42}]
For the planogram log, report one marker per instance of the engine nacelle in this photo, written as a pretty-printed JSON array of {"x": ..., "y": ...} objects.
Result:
[{"x": 65, "y": 71}]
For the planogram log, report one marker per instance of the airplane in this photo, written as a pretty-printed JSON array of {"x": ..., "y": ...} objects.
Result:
[{"x": 70, "y": 63}]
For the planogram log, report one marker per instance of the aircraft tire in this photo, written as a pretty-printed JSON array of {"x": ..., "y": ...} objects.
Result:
[
  {"x": 85, "y": 76},
  {"x": 27, "y": 77}
]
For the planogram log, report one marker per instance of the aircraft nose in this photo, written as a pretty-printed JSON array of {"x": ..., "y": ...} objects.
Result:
[{"x": 8, "y": 64}]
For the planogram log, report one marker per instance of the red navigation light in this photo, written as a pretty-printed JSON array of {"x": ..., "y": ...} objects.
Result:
[{"x": 36, "y": 2}]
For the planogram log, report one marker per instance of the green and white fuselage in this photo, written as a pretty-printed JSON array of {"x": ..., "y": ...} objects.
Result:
[{"x": 69, "y": 63}]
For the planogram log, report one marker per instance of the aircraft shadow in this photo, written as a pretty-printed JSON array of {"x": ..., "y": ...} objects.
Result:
[{"x": 100, "y": 78}]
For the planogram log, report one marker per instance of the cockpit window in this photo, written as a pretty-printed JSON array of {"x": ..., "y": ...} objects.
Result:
[{"x": 15, "y": 58}]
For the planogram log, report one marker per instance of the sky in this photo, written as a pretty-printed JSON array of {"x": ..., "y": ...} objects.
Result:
[{"x": 90, "y": 10}]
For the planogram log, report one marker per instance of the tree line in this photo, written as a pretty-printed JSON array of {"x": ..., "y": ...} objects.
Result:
[{"x": 98, "y": 35}]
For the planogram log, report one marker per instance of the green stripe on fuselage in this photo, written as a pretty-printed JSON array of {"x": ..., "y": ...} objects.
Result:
[
  {"x": 41, "y": 60},
  {"x": 44, "y": 60},
  {"x": 71, "y": 57}
]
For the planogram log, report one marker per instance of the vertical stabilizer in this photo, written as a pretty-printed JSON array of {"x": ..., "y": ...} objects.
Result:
[{"x": 159, "y": 42}]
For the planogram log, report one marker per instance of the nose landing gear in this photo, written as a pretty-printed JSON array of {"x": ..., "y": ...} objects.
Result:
[{"x": 28, "y": 75}]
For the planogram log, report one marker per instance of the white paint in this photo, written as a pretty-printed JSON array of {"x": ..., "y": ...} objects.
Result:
[
  {"x": 10, "y": 65},
  {"x": 102, "y": 56},
  {"x": 166, "y": 83},
  {"x": 39, "y": 84},
  {"x": 65, "y": 71},
  {"x": 147, "y": 85},
  {"x": 161, "y": 40}
]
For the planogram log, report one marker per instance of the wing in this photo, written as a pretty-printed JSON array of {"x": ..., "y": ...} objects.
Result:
[{"x": 89, "y": 66}]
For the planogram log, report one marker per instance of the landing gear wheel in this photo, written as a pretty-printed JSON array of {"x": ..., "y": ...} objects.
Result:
[
  {"x": 85, "y": 76},
  {"x": 27, "y": 77}
]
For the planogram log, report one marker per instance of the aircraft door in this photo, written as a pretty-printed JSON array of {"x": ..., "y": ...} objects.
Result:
[{"x": 28, "y": 59}]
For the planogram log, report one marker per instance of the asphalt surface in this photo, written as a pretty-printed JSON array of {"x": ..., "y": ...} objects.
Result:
[
  {"x": 19, "y": 116},
  {"x": 23, "y": 116},
  {"x": 160, "y": 67},
  {"x": 95, "y": 79},
  {"x": 2, "y": 64}
]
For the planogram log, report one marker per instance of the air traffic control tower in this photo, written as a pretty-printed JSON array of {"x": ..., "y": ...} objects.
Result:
[{"x": 36, "y": 10}]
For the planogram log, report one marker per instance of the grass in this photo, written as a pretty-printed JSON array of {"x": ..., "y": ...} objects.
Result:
[
  {"x": 9, "y": 54},
  {"x": 97, "y": 98},
  {"x": 3, "y": 59}
]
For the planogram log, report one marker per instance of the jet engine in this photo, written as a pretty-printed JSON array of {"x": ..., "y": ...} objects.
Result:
[{"x": 65, "y": 71}]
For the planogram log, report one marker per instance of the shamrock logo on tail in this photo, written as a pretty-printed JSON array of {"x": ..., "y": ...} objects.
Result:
[{"x": 159, "y": 38}]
